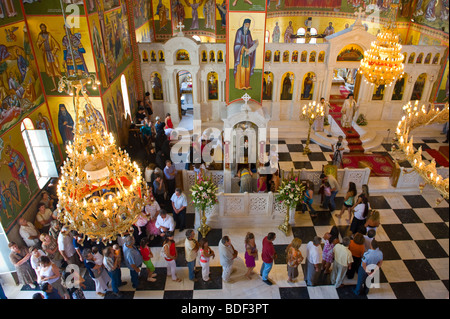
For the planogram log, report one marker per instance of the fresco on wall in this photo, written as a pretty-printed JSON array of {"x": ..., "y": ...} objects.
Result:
[
  {"x": 50, "y": 39},
  {"x": 20, "y": 88},
  {"x": 10, "y": 11},
  {"x": 99, "y": 51},
  {"x": 161, "y": 16},
  {"x": 17, "y": 183},
  {"x": 53, "y": 7},
  {"x": 143, "y": 21},
  {"x": 116, "y": 41},
  {"x": 245, "y": 55}
]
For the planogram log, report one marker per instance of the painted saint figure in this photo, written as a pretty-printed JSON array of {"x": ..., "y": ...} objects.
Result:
[
  {"x": 17, "y": 166},
  {"x": 276, "y": 33},
  {"x": 244, "y": 56},
  {"x": 73, "y": 53},
  {"x": 329, "y": 30},
  {"x": 287, "y": 34},
  {"x": 223, "y": 14},
  {"x": 49, "y": 47},
  {"x": 194, "y": 6},
  {"x": 162, "y": 12},
  {"x": 65, "y": 124}
]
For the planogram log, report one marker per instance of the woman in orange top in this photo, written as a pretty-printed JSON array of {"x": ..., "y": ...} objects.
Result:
[{"x": 357, "y": 248}]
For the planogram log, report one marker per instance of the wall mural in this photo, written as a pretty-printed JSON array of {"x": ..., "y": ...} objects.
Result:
[
  {"x": 245, "y": 55},
  {"x": 20, "y": 89},
  {"x": 18, "y": 182}
]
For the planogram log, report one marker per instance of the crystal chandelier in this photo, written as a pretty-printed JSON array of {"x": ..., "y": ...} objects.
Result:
[
  {"x": 383, "y": 62},
  {"x": 415, "y": 118},
  {"x": 100, "y": 191}
]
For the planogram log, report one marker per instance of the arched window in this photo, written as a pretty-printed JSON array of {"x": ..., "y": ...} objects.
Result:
[
  {"x": 126, "y": 101},
  {"x": 39, "y": 152},
  {"x": 301, "y": 32},
  {"x": 267, "y": 38}
]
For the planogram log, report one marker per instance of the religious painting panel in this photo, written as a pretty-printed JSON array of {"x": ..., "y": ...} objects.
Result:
[
  {"x": 182, "y": 55},
  {"x": 213, "y": 86},
  {"x": 220, "y": 56},
  {"x": 419, "y": 58},
  {"x": 432, "y": 13},
  {"x": 411, "y": 58},
  {"x": 285, "y": 56},
  {"x": 20, "y": 86},
  {"x": 212, "y": 56},
  {"x": 63, "y": 114},
  {"x": 436, "y": 58},
  {"x": 56, "y": 55},
  {"x": 204, "y": 57},
  {"x": 10, "y": 11},
  {"x": 243, "y": 5},
  {"x": 312, "y": 57},
  {"x": 267, "y": 85},
  {"x": 287, "y": 86},
  {"x": 18, "y": 183},
  {"x": 303, "y": 56},
  {"x": 221, "y": 16},
  {"x": 276, "y": 56},
  {"x": 161, "y": 56},
  {"x": 53, "y": 7},
  {"x": 245, "y": 55},
  {"x": 117, "y": 42},
  {"x": 162, "y": 16},
  {"x": 399, "y": 88},
  {"x": 294, "y": 58},
  {"x": 350, "y": 53},
  {"x": 427, "y": 59},
  {"x": 98, "y": 46},
  {"x": 321, "y": 58},
  {"x": 308, "y": 86},
  {"x": 157, "y": 89},
  {"x": 144, "y": 56},
  {"x": 378, "y": 93},
  {"x": 418, "y": 87},
  {"x": 152, "y": 56}
]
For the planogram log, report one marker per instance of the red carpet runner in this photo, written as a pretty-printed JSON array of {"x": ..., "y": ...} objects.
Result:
[
  {"x": 380, "y": 165},
  {"x": 352, "y": 137},
  {"x": 440, "y": 156}
]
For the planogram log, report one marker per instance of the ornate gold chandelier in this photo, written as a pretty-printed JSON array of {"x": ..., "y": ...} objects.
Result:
[
  {"x": 100, "y": 191},
  {"x": 383, "y": 62},
  {"x": 413, "y": 119}
]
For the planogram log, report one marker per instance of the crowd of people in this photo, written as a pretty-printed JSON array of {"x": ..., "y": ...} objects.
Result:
[{"x": 53, "y": 255}]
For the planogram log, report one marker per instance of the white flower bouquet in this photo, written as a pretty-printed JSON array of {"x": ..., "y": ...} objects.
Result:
[{"x": 204, "y": 193}]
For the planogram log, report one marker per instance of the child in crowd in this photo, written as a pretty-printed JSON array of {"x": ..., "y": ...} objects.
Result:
[
  {"x": 147, "y": 255},
  {"x": 205, "y": 254}
]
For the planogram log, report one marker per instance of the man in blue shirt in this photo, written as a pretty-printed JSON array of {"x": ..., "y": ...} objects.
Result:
[
  {"x": 179, "y": 204},
  {"x": 370, "y": 264},
  {"x": 133, "y": 260},
  {"x": 170, "y": 173},
  {"x": 50, "y": 292}
]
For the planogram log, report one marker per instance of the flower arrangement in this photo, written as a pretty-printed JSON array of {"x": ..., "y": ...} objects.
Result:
[
  {"x": 361, "y": 121},
  {"x": 291, "y": 192},
  {"x": 204, "y": 193}
]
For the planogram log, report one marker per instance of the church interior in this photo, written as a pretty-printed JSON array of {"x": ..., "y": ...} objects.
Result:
[{"x": 97, "y": 94}]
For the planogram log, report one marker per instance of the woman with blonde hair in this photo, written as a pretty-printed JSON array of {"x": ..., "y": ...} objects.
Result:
[
  {"x": 251, "y": 254},
  {"x": 373, "y": 220},
  {"x": 293, "y": 259}
]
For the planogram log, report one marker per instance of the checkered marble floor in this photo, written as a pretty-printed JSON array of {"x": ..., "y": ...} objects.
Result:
[
  {"x": 291, "y": 153},
  {"x": 413, "y": 236}
]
